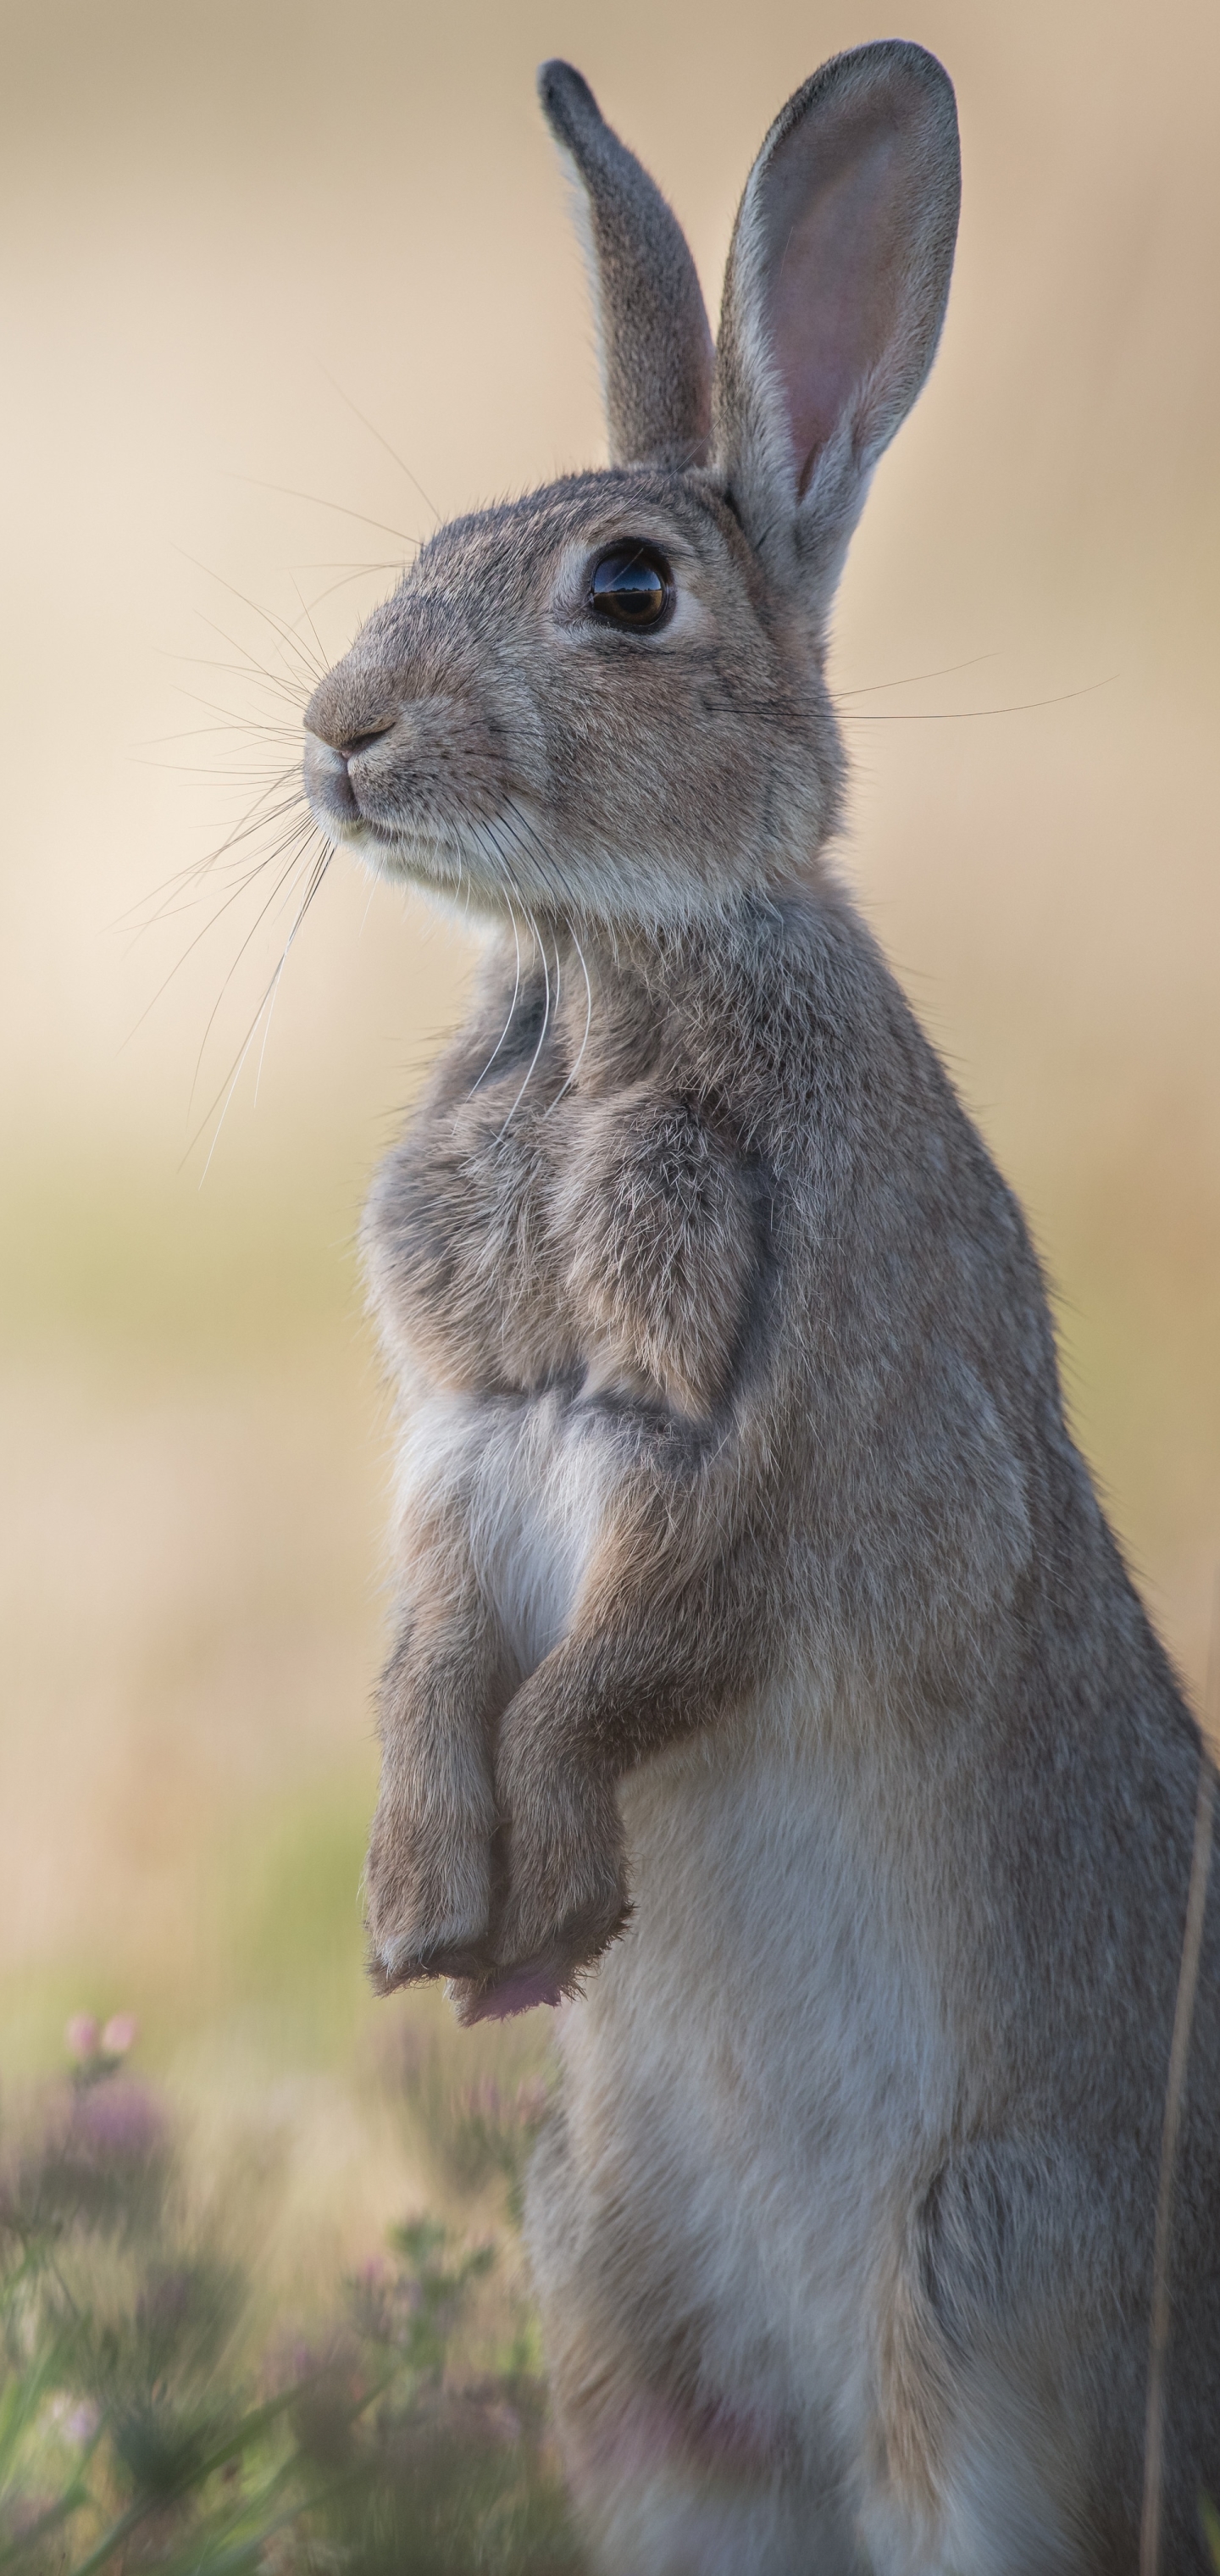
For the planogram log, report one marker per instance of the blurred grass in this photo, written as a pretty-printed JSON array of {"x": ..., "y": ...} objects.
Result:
[
  {"x": 139, "y": 1266},
  {"x": 160, "y": 2407}
]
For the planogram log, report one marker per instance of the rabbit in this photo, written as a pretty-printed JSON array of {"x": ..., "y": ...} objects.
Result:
[{"x": 768, "y": 1689}]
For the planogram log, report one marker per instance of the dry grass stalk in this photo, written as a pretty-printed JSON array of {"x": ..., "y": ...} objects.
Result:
[{"x": 1188, "y": 1978}]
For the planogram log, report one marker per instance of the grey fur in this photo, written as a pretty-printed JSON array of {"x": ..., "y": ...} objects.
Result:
[
  {"x": 656, "y": 346},
  {"x": 862, "y": 167},
  {"x": 767, "y": 1676}
]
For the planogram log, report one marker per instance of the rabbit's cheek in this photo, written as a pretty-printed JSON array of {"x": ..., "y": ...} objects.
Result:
[{"x": 438, "y": 764}]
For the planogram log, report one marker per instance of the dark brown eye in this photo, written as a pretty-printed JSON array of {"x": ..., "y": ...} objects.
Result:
[{"x": 632, "y": 587}]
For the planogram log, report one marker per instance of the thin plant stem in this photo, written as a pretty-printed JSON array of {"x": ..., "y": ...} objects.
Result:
[{"x": 1175, "y": 2094}]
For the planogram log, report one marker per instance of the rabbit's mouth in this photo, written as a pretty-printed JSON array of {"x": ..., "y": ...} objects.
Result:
[
  {"x": 331, "y": 773},
  {"x": 414, "y": 794},
  {"x": 423, "y": 848}
]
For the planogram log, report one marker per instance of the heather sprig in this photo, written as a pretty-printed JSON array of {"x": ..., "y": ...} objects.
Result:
[{"x": 143, "y": 2426}]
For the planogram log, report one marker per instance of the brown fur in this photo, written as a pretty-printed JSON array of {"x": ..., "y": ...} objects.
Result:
[{"x": 761, "y": 1637}]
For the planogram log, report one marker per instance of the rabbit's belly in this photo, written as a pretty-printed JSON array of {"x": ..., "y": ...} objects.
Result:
[
  {"x": 765, "y": 2054},
  {"x": 530, "y": 1479}
]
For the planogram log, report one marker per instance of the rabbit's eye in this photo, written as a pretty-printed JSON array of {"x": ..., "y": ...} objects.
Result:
[{"x": 632, "y": 586}]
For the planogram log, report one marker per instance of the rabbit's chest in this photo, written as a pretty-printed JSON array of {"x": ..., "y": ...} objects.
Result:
[
  {"x": 607, "y": 1251},
  {"x": 530, "y": 1479}
]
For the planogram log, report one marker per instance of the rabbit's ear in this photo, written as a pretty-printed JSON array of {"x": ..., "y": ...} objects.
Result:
[
  {"x": 837, "y": 281},
  {"x": 656, "y": 347}
]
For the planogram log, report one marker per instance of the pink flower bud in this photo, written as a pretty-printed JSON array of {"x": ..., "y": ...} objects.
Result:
[
  {"x": 81, "y": 2036},
  {"x": 121, "y": 2033}
]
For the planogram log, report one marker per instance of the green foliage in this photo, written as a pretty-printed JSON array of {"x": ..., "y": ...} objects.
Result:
[
  {"x": 142, "y": 2427},
  {"x": 479, "y": 2133},
  {"x": 1210, "y": 2520}
]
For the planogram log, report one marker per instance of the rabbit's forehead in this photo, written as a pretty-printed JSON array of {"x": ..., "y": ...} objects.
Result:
[{"x": 510, "y": 547}]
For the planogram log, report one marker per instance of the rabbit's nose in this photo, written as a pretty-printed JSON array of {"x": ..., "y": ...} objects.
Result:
[
  {"x": 348, "y": 711},
  {"x": 327, "y": 782},
  {"x": 342, "y": 741},
  {"x": 344, "y": 717},
  {"x": 345, "y": 746}
]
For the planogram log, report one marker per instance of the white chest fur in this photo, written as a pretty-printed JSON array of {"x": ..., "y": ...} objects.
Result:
[{"x": 530, "y": 1477}]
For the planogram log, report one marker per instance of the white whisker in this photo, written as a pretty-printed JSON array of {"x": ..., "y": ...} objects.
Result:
[
  {"x": 317, "y": 873},
  {"x": 512, "y": 1005},
  {"x": 571, "y": 1077},
  {"x": 546, "y": 1022}
]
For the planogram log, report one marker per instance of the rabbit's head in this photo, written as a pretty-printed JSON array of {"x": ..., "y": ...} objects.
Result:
[{"x": 607, "y": 701}]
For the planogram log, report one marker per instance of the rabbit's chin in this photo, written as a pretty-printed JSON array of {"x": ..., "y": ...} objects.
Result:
[
  {"x": 597, "y": 883},
  {"x": 433, "y": 863},
  {"x": 410, "y": 857}
]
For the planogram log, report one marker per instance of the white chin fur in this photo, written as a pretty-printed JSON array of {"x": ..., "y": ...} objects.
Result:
[{"x": 415, "y": 858}]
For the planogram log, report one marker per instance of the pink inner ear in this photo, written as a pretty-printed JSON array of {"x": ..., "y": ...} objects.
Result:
[{"x": 833, "y": 303}]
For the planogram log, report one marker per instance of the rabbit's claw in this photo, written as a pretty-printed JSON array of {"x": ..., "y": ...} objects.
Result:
[
  {"x": 566, "y": 1901},
  {"x": 495, "y": 1992}
]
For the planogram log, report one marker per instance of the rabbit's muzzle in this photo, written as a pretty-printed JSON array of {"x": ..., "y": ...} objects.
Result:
[
  {"x": 394, "y": 778},
  {"x": 328, "y": 783}
]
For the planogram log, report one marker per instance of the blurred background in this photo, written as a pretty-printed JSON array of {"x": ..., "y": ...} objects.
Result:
[{"x": 246, "y": 252}]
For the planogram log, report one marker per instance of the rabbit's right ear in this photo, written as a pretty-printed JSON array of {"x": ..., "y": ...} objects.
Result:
[
  {"x": 656, "y": 347},
  {"x": 834, "y": 297}
]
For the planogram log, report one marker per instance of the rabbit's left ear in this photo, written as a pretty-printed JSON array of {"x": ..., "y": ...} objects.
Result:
[
  {"x": 656, "y": 347},
  {"x": 834, "y": 297}
]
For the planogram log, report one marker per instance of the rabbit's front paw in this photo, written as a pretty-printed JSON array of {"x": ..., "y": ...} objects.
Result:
[
  {"x": 566, "y": 1898},
  {"x": 427, "y": 1893}
]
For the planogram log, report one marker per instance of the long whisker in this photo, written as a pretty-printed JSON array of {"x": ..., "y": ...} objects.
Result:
[
  {"x": 964, "y": 715},
  {"x": 546, "y": 1022},
  {"x": 520, "y": 830},
  {"x": 356, "y": 573},
  {"x": 229, "y": 724},
  {"x": 321, "y": 503},
  {"x": 288, "y": 876},
  {"x": 321, "y": 868},
  {"x": 233, "y": 897},
  {"x": 318, "y": 872},
  {"x": 248, "y": 668},
  {"x": 287, "y": 634},
  {"x": 253, "y": 820},
  {"x": 524, "y": 832},
  {"x": 570, "y": 1077},
  {"x": 176, "y": 888},
  {"x": 382, "y": 441},
  {"x": 512, "y": 1005},
  {"x": 946, "y": 672},
  {"x": 307, "y": 612}
]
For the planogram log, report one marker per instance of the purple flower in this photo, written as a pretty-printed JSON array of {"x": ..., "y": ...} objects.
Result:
[{"x": 120, "y": 2119}]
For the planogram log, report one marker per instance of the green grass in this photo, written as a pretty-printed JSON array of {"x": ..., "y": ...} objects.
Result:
[{"x": 154, "y": 2415}]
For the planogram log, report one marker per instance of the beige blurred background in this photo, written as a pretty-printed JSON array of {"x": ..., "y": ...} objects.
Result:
[{"x": 246, "y": 250}]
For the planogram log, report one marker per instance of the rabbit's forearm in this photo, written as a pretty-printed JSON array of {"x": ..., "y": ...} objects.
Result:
[
  {"x": 445, "y": 1681},
  {"x": 656, "y": 1650}
]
